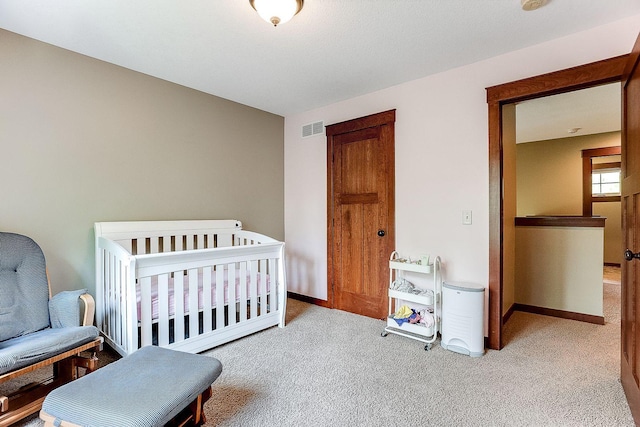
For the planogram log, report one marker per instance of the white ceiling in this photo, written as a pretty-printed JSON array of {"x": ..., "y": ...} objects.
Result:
[
  {"x": 590, "y": 111},
  {"x": 331, "y": 51}
]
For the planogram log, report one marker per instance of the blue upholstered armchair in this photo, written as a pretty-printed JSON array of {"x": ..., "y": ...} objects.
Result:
[{"x": 36, "y": 330}]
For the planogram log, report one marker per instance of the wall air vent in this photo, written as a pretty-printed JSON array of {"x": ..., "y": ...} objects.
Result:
[{"x": 312, "y": 129}]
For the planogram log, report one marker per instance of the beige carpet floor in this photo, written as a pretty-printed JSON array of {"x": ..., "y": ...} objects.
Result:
[{"x": 329, "y": 368}]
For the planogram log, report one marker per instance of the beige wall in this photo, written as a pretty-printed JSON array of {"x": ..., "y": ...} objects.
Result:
[
  {"x": 549, "y": 182},
  {"x": 549, "y": 173},
  {"x": 613, "y": 249},
  {"x": 560, "y": 268},
  {"x": 85, "y": 141}
]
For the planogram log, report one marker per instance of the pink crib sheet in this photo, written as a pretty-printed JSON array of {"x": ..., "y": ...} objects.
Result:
[{"x": 154, "y": 292}]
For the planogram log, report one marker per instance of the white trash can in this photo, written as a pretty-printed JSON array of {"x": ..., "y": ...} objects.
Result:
[{"x": 463, "y": 318}]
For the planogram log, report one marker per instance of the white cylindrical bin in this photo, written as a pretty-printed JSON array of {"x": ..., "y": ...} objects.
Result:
[{"x": 463, "y": 318}]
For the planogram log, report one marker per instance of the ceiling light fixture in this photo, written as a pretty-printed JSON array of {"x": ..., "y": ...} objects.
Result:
[
  {"x": 532, "y": 4},
  {"x": 277, "y": 11}
]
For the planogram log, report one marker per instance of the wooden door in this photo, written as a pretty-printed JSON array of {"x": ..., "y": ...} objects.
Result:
[
  {"x": 361, "y": 228},
  {"x": 630, "y": 334}
]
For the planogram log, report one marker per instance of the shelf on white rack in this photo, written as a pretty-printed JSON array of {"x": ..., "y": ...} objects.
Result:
[
  {"x": 419, "y": 329},
  {"x": 424, "y": 299},
  {"x": 409, "y": 266}
]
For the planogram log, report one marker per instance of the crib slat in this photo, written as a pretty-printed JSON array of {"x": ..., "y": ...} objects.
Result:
[
  {"x": 166, "y": 243},
  {"x": 119, "y": 305},
  {"x": 128, "y": 307},
  {"x": 113, "y": 302},
  {"x": 276, "y": 279},
  {"x": 107, "y": 296},
  {"x": 193, "y": 302},
  {"x": 153, "y": 247},
  {"x": 200, "y": 241},
  {"x": 145, "y": 311},
  {"x": 231, "y": 290},
  {"x": 219, "y": 297},
  {"x": 243, "y": 290},
  {"x": 178, "y": 304},
  {"x": 107, "y": 292},
  {"x": 272, "y": 298},
  {"x": 189, "y": 242},
  {"x": 206, "y": 299},
  {"x": 225, "y": 239},
  {"x": 141, "y": 246},
  {"x": 253, "y": 288},
  {"x": 263, "y": 287},
  {"x": 163, "y": 309}
]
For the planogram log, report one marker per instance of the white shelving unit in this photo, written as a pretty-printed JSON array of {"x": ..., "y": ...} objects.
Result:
[{"x": 397, "y": 269}]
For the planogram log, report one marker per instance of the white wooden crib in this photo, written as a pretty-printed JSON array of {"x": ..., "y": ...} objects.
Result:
[{"x": 157, "y": 283}]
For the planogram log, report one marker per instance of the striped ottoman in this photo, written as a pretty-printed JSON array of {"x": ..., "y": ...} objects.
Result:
[{"x": 152, "y": 387}]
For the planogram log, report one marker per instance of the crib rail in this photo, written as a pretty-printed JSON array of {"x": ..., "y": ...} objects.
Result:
[
  {"x": 150, "y": 237},
  {"x": 119, "y": 230},
  {"x": 206, "y": 314}
]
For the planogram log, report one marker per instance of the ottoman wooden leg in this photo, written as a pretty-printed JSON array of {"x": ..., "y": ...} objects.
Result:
[{"x": 193, "y": 415}]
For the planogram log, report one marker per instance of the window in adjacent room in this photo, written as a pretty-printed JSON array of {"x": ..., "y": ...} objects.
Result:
[
  {"x": 605, "y": 180},
  {"x": 600, "y": 177}
]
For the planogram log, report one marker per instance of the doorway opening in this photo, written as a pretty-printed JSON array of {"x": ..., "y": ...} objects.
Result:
[{"x": 585, "y": 76}]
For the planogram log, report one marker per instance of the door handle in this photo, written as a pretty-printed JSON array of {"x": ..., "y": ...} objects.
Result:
[
  {"x": 629, "y": 255},
  {"x": 381, "y": 233}
]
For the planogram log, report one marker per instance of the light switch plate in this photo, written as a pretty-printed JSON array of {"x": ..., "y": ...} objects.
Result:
[{"x": 466, "y": 217}]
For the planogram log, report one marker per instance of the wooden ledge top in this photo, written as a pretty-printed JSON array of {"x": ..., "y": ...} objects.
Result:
[{"x": 560, "y": 221}]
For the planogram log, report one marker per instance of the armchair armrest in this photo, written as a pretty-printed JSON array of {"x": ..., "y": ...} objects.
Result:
[
  {"x": 89, "y": 309},
  {"x": 64, "y": 309}
]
